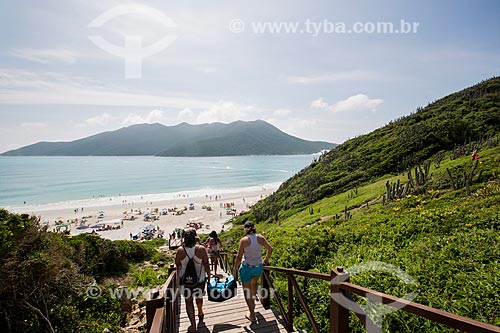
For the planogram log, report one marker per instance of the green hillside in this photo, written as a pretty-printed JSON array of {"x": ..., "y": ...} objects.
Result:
[
  {"x": 442, "y": 226},
  {"x": 455, "y": 120},
  {"x": 216, "y": 139}
]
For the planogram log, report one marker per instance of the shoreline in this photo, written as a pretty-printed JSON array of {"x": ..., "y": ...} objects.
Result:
[
  {"x": 105, "y": 201},
  {"x": 114, "y": 210}
]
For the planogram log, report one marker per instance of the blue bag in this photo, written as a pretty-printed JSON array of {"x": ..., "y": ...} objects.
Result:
[{"x": 219, "y": 291}]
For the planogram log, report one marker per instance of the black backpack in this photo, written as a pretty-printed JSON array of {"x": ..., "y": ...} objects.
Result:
[{"x": 190, "y": 277}]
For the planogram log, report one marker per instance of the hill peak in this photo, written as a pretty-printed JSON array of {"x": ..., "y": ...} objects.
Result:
[{"x": 216, "y": 139}]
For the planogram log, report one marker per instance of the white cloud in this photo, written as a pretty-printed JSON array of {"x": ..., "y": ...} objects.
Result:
[
  {"x": 225, "y": 112},
  {"x": 101, "y": 120},
  {"x": 306, "y": 123},
  {"x": 154, "y": 116},
  {"x": 357, "y": 75},
  {"x": 28, "y": 88},
  {"x": 319, "y": 104},
  {"x": 206, "y": 69},
  {"x": 45, "y": 56},
  {"x": 281, "y": 112},
  {"x": 33, "y": 126},
  {"x": 358, "y": 102},
  {"x": 186, "y": 115}
]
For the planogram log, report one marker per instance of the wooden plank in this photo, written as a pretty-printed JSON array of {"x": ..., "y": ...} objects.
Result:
[
  {"x": 266, "y": 323},
  {"x": 233, "y": 315},
  {"x": 232, "y": 325},
  {"x": 233, "y": 319}
]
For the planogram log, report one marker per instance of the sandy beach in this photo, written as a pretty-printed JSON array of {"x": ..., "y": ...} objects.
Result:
[{"x": 166, "y": 219}]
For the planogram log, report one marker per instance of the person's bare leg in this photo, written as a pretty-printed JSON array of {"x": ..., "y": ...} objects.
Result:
[
  {"x": 214, "y": 258},
  {"x": 249, "y": 298},
  {"x": 253, "y": 287},
  {"x": 199, "y": 304},
  {"x": 190, "y": 313}
]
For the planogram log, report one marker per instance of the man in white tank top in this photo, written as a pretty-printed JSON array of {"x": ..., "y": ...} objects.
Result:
[{"x": 250, "y": 257}]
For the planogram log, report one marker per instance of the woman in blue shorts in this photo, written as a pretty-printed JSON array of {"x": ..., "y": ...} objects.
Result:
[{"x": 250, "y": 257}]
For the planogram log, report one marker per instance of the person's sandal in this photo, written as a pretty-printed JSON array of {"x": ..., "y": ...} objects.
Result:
[{"x": 247, "y": 316}]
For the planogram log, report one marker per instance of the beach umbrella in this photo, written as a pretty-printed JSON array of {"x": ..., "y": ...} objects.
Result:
[
  {"x": 95, "y": 226},
  {"x": 82, "y": 227},
  {"x": 101, "y": 212},
  {"x": 45, "y": 223},
  {"x": 146, "y": 215}
]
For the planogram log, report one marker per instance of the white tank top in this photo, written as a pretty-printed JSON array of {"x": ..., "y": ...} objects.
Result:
[
  {"x": 198, "y": 263},
  {"x": 252, "y": 255}
]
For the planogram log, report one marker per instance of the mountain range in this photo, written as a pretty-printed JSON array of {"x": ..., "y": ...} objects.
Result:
[{"x": 216, "y": 139}]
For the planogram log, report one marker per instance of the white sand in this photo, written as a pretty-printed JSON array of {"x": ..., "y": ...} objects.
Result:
[{"x": 212, "y": 220}]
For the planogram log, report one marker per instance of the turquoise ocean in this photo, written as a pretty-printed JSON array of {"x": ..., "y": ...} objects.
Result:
[{"x": 65, "y": 182}]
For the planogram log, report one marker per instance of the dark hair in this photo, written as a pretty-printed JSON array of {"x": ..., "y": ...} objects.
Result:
[
  {"x": 190, "y": 237},
  {"x": 249, "y": 228},
  {"x": 214, "y": 236}
]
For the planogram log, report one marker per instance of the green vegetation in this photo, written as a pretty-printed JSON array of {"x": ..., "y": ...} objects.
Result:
[
  {"x": 46, "y": 276},
  {"x": 359, "y": 204}
]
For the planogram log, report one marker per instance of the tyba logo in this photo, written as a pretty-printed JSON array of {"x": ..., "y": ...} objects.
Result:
[{"x": 133, "y": 52}]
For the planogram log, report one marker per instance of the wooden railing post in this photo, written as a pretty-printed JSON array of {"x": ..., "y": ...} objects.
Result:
[
  {"x": 290, "y": 303},
  {"x": 153, "y": 302},
  {"x": 339, "y": 316},
  {"x": 232, "y": 266},
  {"x": 265, "y": 295},
  {"x": 170, "y": 302}
]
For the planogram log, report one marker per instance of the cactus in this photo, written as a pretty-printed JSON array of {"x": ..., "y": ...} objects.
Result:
[
  {"x": 347, "y": 214},
  {"x": 396, "y": 190},
  {"x": 438, "y": 158},
  {"x": 461, "y": 180}
]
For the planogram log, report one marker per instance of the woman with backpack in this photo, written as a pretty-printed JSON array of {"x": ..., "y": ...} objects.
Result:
[
  {"x": 250, "y": 257},
  {"x": 192, "y": 268},
  {"x": 213, "y": 246}
]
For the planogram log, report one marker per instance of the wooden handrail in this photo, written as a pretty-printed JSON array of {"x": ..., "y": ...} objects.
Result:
[
  {"x": 224, "y": 256},
  {"x": 165, "y": 317},
  {"x": 339, "y": 316},
  {"x": 266, "y": 277},
  {"x": 304, "y": 304},
  {"x": 313, "y": 275},
  {"x": 170, "y": 292},
  {"x": 158, "y": 322},
  {"x": 439, "y": 316}
]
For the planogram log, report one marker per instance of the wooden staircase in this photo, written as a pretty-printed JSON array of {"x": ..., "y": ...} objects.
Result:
[{"x": 229, "y": 317}]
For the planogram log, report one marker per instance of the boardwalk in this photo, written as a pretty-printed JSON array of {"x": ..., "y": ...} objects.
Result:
[{"x": 229, "y": 317}]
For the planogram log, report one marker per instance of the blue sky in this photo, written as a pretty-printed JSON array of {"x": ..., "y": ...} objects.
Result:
[{"x": 58, "y": 85}]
